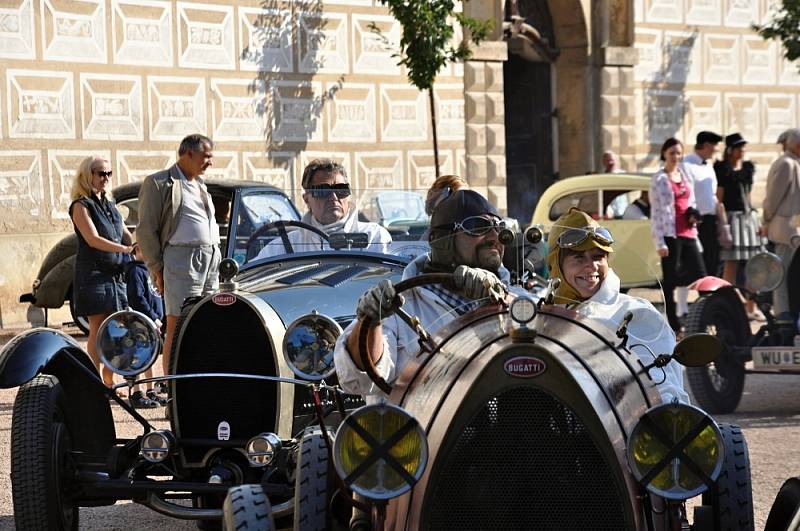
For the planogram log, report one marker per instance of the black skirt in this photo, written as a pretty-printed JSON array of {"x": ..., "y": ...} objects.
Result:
[{"x": 97, "y": 292}]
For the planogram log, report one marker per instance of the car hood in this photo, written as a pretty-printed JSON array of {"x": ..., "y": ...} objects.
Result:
[{"x": 330, "y": 285}]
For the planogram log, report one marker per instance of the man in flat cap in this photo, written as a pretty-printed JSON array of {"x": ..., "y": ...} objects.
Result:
[
  {"x": 465, "y": 241},
  {"x": 701, "y": 171}
]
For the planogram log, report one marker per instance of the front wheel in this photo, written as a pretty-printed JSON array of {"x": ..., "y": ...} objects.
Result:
[
  {"x": 247, "y": 507},
  {"x": 313, "y": 483},
  {"x": 731, "y": 501},
  {"x": 40, "y": 465},
  {"x": 717, "y": 387},
  {"x": 786, "y": 507}
]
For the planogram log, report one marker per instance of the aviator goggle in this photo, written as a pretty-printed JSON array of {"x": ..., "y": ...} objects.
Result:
[
  {"x": 478, "y": 226},
  {"x": 324, "y": 191},
  {"x": 573, "y": 237}
]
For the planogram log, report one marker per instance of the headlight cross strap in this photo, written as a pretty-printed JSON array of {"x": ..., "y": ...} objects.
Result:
[
  {"x": 380, "y": 451},
  {"x": 677, "y": 450}
]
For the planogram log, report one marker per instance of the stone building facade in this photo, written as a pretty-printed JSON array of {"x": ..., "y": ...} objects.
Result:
[{"x": 277, "y": 82}]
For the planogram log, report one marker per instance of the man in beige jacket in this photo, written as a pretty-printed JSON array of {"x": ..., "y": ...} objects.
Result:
[
  {"x": 781, "y": 211},
  {"x": 178, "y": 233}
]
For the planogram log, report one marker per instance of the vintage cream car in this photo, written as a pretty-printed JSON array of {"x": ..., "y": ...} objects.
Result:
[{"x": 605, "y": 197}]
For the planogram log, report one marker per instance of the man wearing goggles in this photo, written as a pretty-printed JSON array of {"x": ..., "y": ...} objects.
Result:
[
  {"x": 326, "y": 193},
  {"x": 578, "y": 255},
  {"x": 465, "y": 240}
]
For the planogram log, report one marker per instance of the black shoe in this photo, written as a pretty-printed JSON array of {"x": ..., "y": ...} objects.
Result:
[
  {"x": 161, "y": 389},
  {"x": 139, "y": 401},
  {"x": 160, "y": 400}
]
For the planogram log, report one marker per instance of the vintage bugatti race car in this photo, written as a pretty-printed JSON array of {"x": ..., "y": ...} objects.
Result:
[
  {"x": 773, "y": 349},
  {"x": 528, "y": 416}
]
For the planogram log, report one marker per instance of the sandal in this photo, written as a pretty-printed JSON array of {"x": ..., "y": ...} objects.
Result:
[
  {"x": 139, "y": 401},
  {"x": 152, "y": 395}
]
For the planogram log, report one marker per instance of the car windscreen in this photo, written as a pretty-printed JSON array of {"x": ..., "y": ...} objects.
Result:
[{"x": 350, "y": 220}]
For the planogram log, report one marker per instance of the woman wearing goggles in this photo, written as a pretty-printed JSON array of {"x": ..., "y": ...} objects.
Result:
[{"x": 578, "y": 255}]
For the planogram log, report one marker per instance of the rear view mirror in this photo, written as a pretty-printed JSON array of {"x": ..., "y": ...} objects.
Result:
[
  {"x": 697, "y": 350},
  {"x": 349, "y": 240}
]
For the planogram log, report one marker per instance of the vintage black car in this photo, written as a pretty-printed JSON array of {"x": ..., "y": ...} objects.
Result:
[
  {"x": 773, "y": 349},
  {"x": 53, "y": 284}
]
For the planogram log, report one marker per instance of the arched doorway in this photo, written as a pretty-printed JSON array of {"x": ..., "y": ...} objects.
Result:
[{"x": 530, "y": 119}]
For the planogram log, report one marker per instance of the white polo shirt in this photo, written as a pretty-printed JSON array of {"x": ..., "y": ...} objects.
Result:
[{"x": 705, "y": 183}]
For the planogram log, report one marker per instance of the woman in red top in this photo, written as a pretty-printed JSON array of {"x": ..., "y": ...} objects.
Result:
[{"x": 674, "y": 219}]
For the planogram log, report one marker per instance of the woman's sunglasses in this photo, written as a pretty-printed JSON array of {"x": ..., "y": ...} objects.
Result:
[
  {"x": 478, "y": 226},
  {"x": 323, "y": 191},
  {"x": 104, "y": 173},
  {"x": 573, "y": 237}
]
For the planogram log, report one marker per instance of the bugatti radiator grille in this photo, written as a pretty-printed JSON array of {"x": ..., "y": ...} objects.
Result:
[
  {"x": 523, "y": 461},
  {"x": 224, "y": 339}
]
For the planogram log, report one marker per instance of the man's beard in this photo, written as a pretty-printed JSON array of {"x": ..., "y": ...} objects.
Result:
[{"x": 489, "y": 262}]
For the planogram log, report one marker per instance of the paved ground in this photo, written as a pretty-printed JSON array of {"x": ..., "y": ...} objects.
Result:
[{"x": 769, "y": 415}]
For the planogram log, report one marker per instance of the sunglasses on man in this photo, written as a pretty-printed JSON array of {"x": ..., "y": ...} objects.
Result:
[
  {"x": 573, "y": 237},
  {"x": 478, "y": 226},
  {"x": 323, "y": 191}
]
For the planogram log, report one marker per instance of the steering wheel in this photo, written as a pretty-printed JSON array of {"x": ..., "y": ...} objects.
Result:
[
  {"x": 281, "y": 226},
  {"x": 368, "y": 324}
]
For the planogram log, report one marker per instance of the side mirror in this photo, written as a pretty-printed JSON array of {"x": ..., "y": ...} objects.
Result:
[{"x": 697, "y": 350}]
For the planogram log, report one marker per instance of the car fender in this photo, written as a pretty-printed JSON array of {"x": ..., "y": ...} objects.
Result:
[
  {"x": 55, "y": 286},
  {"x": 44, "y": 351},
  {"x": 709, "y": 283}
]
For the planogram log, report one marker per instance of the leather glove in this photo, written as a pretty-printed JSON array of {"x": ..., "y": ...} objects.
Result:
[
  {"x": 479, "y": 283},
  {"x": 379, "y": 302},
  {"x": 724, "y": 235}
]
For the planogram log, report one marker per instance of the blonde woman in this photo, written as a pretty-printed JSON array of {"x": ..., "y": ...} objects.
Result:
[{"x": 99, "y": 285}]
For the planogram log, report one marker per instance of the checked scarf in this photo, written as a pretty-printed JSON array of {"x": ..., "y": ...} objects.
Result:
[{"x": 458, "y": 303}]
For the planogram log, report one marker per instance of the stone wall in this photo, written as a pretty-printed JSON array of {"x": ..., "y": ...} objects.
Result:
[
  {"x": 700, "y": 66},
  {"x": 275, "y": 83}
]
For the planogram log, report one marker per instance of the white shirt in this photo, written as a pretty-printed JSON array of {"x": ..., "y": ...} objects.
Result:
[
  {"x": 197, "y": 224},
  {"x": 648, "y": 327},
  {"x": 399, "y": 341},
  {"x": 303, "y": 240},
  {"x": 705, "y": 183}
]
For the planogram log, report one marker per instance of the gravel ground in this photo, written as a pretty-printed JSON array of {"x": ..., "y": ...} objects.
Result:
[{"x": 768, "y": 415}]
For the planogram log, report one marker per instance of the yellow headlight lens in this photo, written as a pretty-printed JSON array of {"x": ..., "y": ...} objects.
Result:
[
  {"x": 684, "y": 474},
  {"x": 380, "y": 451}
]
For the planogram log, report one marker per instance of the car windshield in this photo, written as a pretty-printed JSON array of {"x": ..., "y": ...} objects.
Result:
[{"x": 382, "y": 221}]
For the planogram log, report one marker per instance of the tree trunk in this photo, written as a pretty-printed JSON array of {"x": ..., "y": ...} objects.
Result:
[{"x": 433, "y": 128}]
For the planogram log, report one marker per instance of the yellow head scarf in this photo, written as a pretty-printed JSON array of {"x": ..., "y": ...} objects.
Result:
[{"x": 574, "y": 219}]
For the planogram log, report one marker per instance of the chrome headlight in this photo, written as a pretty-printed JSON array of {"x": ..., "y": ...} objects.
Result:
[
  {"x": 157, "y": 445},
  {"x": 676, "y": 451},
  {"x": 366, "y": 466},
  {"x": 262, "y": 449},
  {"x": 308, "y": 346},
  {"x": 764, "y": 272},
  {"x": 523, "y": 309},
  {"x": 128, "y": 342}
]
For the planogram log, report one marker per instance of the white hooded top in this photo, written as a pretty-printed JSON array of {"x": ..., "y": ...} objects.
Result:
[
  {"x": 303, "y": 240},
  {"x": 648, "y": 327},
  {"x": 400, "y": 343}
]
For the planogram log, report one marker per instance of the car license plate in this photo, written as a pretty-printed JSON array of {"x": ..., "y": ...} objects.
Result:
[{"x": 786, "y": 358}]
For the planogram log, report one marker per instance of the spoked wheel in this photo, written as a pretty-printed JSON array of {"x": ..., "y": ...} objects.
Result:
[
  {"x": 718, "y": 386},
  {"x": 41, "y": 470},
  {"x": 281, "y": 225},
  {"x": 247, "y": 507}
]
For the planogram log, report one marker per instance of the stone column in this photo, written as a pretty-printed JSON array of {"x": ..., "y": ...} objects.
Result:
[
  {"x": 617, "y": 118},
  {"x": 485, "y": 122}
]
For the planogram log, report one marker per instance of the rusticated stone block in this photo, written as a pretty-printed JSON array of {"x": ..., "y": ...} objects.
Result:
[
  {"x": 474, "y": 77},
  {"x": 476, "y": 170},
  {"x": 495, "y": 139},
  {"x": 476, "y": 107},
  {"x": 495, "y": 108},
  {"x": 476, "y": 138}
]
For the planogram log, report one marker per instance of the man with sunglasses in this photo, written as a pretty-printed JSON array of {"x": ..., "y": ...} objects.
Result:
[
  {"x": 465, "y": 240},
  {"x": 178, "y": 233},
  {"x": 578, "y": 255},
  {"x": 326, "y": 193}
]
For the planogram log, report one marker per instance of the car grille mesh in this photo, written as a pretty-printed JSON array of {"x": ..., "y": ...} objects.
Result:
[
  {"x": 228, "y": 339},
  {"x": 524, "y": 461}
]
